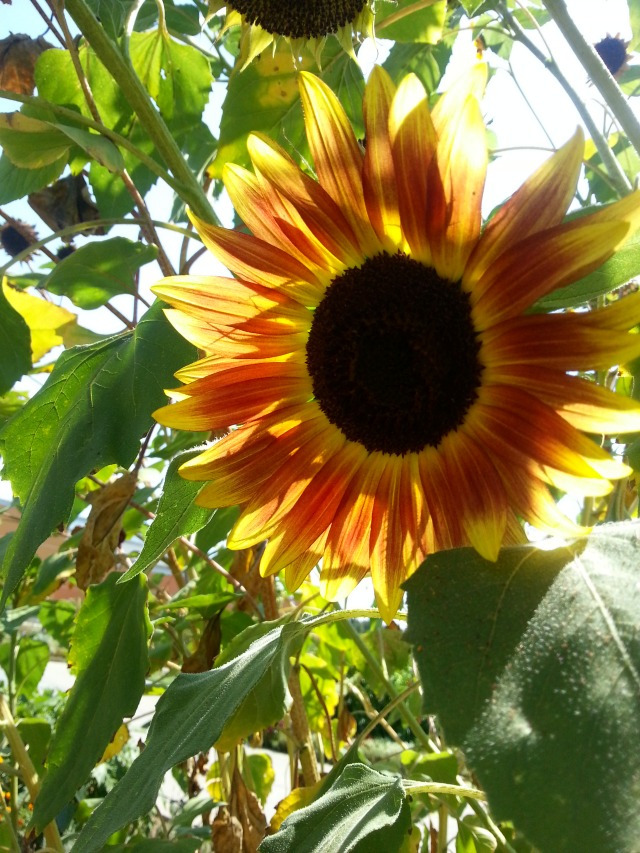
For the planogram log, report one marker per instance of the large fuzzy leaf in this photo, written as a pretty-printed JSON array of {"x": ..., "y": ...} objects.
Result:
[
  {"x": 362, "y": 811},
  {"x": 533, "y": 667}
]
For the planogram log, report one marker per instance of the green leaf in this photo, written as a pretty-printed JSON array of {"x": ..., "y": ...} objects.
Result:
[
  {"x": 264, "y": 704},
  {"x": 57, "y": 618},
  {"x": 31, "y": 143},
  {"x": 97, "y": 147},
  {"x": 177, "y": 515},
  {"x": 17, "y": 183},
  {"x": 109, "y": 651},
  {"x": 411, "y": 21},
  {"x": 619, "y": 269},
  {"x": 15, "y": 354},
  {"x": 31, "y": 662},
  {"x": 264, "y": 97},
  {"x": 532, "y": 665},
  {"x": 95, "y": 273},
  {"x": 194, "y": 807},
  {"x": 91, "y": 412},
  {"x": 36, "y": 735},
  {"x": 217, "y": 529},
  {"x": 363, "y": 810},
  {"x": 189, "y": 718},
  {"x": 428, "y": 62},
  {"x": 177, "y": 76}
]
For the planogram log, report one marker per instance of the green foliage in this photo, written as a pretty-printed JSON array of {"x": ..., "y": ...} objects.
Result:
[
  {"x": 177, "y": 515},
  {"x": 527, "y": 668},
  {"x": 92, "y": 411},
  {"x": 95, "y": 273},
  {"x": 109, "y": 656},
  {"x": 190, "y": 718}
]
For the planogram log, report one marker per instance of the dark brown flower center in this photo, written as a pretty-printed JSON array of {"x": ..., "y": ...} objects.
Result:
[
  {"x": 393, "y": 355},
  {"x": 299, "y": 18}
]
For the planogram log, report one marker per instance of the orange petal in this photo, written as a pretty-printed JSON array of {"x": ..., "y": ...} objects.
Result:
[
  {"x": 228, "y": 301},
  {"x": 540, "y": 264},
  {"x": 337, "y": 156},
  {"x": 379, "y": 180},
  {"x": 240, "y": 393},
  {"x": 387, "y": 541},
  {"x": 321, "y": 214},
  {"x": 297, "y": 571},
  {"x": 262, "y": 516},
  {"x": 315, "y": 508},
  {"x": 575, "y": 341},
  {"x": 255, "y": 260},
  {"x": 347, "y": 557},
  {"x": 540, "y": 203},
  {"x": 462, "y": 160},
  {"x": 413, "y": 143},
  {"x": 584, "y": 404},
  {"x": 508, "y": 417},
  {"x": 478, "y": 490}
]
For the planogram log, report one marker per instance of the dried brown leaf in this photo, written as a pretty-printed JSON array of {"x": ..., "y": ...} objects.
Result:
[
  {"x": 101, "y": 536},
  {"x": 18, "y": 55}
]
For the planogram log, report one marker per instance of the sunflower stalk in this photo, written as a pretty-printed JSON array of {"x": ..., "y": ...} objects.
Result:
[
  {"x": 301, "y": 731},
  {"x": 139, "y": 100},
  {"x": 598, "y": 73},
  {"x": 613, "y": 167}
]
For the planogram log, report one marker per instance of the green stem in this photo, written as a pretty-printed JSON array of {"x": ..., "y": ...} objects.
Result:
[
  {"x": 597, "y": 71},
  {"x": 442, "y": 789},
  {"x": 5, "y": 819},
  {"x": 376, "y": 670},
  {"x": 138, "y": 98},
  {"x": 72, "y": 230},
  {"x": 614, "y": 169},
  {"x": 27, "y": 770}
]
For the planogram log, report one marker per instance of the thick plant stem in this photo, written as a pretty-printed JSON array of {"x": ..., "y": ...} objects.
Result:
[
  {"x": 597, "y": 71},
  {"x": 614, "y": 169},
  {"x": 301, "y": 733},
  {"x": 139, "y": 100},
  {"x": 27, "y": 770}
]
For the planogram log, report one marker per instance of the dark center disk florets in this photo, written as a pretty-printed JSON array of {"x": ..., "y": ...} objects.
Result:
[
  {"x": 299, "y": 18},
  {"x": 393, "y": 355}
]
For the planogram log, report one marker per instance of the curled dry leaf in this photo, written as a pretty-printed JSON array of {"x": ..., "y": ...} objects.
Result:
[
  {"x": 240, "y": 826},
  {"x": 67, "y": 202},
  {"x": 101, "y": 537},
  {"x": 18, "y": 55}
]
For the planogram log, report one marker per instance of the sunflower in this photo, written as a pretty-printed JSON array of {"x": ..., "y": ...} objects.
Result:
[
  {"x": 306, "y": 23},
  {"x": 391, "y": 392}
]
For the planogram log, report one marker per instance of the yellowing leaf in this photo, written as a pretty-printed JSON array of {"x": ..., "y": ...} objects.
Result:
[
  {"x": 297, "y": 799},
  {"x": 116, "y": 743},
  {"x": 45, "y": 320}
]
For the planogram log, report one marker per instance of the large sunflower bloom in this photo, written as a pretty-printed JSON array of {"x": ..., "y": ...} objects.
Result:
[
  {"x": 305, "y": 23},
  {"x": 391, "y": 392}
]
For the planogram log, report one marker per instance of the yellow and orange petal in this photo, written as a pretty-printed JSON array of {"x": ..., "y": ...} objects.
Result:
[{"x": 388, "y": 390}]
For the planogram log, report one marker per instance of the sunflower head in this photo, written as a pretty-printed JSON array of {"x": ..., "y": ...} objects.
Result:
[
  {"x": 388, "y": 390},
  {"x": 306, "y": 24}
]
